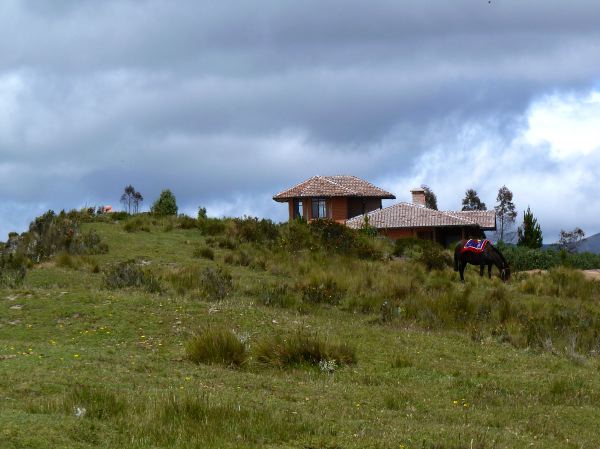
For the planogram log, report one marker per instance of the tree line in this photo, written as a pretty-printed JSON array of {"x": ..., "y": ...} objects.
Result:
[{"x": 529, "y": 234}]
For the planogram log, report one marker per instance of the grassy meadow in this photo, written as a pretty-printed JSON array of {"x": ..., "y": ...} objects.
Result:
[{"x": 240, "y": 333}]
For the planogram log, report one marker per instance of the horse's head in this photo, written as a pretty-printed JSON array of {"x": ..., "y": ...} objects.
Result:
[{"x": 505, "y": 273}]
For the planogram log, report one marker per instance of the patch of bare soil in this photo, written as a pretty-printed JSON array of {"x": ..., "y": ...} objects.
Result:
[{"x": 590, "y": 274}]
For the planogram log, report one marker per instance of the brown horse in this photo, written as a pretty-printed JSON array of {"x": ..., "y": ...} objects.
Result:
[{"x": 490, "y": 255}]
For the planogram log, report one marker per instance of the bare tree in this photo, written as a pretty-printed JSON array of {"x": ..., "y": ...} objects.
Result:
[
  {"x": 131, "y": 199},
  {"x": 505, "y": 211},
  {"x": 569, "y": 240}
]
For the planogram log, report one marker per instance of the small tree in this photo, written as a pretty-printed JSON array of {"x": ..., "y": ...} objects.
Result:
[
  {"x": 430, "y": 198},
  {"x": 165, "y": 204},
  {"x": 569, "y": 240},
  {"x": 505, "y": 211},
  {"x": 471, "y": 201},
  {"x": 530, "y": 233}
]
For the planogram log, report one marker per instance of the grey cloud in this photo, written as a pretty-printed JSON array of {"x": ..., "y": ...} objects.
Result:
[{"x": 227, "y": 103}]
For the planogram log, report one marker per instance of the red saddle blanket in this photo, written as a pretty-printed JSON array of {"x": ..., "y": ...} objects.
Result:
[{"x": 475, "y": 246}]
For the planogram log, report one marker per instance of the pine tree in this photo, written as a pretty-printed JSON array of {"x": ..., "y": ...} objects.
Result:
[
  {"x": 505, "y": 211},
  {"x": 472, "y": 201},
  {"x": 530, "y": 233},
  {"x": 430, "y": 198},
  {"x": 165, "y": 204}
]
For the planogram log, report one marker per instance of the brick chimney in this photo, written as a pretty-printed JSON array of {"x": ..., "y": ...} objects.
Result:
[{"x": 418, "y": 196}]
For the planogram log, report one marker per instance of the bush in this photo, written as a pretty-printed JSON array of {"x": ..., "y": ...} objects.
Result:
[
  {"x": 185, "y": 222},
  {"x": 211, "y": 226},
  {"x": 204, "y": 252},
  {"x": 322, "y": 291},
  {"x": 253, "y": 230},
  {"x": 13, "y": 268},
  {"x": 301, "y": 349},
  {"x": 216, "y": 345},
  {"x": 130, "y": 274},
  {"x": 165, "y": 205}
]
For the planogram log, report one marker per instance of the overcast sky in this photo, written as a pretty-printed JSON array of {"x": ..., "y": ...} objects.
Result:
[{"x": 227, "y": 103}]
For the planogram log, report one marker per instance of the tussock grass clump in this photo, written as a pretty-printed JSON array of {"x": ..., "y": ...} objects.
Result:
[
  {"x": 214, "y": 283},
  {"x": 302, "y": 349},
  {"x": 203, "y": 252},
  {"x": 83, "y": 401},
  {"x": 322, "y": 290},
  {"x": 217, "y": 283},
  {"x": 140, "y": 223},
  {"x": 130, "y": 274},
  {"x": 216, "y": 345},
  {"x": 276, "y": 295}
]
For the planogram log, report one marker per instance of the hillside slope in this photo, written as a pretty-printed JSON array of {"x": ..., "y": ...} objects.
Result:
[
  {"x": 87, "y": 362},
  {"x": 590, "y": 244}
]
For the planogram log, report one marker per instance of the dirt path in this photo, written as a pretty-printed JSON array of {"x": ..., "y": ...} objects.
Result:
[{"x": 590, "y": 274}]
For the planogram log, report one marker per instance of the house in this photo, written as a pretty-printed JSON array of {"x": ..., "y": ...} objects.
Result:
[
  {"x": 403, "y": 220},
  {"x": 335, "y": 197}
]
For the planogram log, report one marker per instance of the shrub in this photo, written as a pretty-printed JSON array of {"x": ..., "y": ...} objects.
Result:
[
  {"x": 216, "y": 345},
  {"x": 302, "y": 349},
  {"x": 185, "y": 222},
  {"x": 165, "y": 205},
  {"x": 13, "y": 268},
  {"x": 251, "y": 229},
  {"x": 435, "y": 258},
  {"x": 322, "y": 291},
  {"x": 204, "y": 252},
  {"x": 211, "y": 226}
]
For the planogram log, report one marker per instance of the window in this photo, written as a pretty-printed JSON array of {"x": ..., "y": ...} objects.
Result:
[
  {"x": 319, "y": 208},
  {"x": 298, "y": 209}
]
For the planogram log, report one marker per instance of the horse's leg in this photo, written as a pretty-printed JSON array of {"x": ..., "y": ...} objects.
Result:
[
  {"x": 481, "y": 270},
  {"x": 461, "y": 270},
  {"x": 490, "y": 270}
]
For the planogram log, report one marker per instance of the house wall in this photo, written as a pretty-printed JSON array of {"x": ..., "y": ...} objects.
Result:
[
  {"x": 338, "y": 209},
  {"x": 359, "y": 206}
]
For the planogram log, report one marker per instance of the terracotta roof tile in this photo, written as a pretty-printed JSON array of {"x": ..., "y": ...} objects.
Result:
[
  {"x": 408, "y": 215},
  {"x": 333, "y": 186}
]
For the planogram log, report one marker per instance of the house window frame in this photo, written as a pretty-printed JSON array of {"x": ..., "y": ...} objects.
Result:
[{"x": 319, "y": 208}]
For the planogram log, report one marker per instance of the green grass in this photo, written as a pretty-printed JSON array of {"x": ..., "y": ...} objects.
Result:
[{"x": 440, "y": 365}]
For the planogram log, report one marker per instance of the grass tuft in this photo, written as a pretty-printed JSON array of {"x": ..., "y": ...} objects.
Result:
[{"x": 216, "y": 345}]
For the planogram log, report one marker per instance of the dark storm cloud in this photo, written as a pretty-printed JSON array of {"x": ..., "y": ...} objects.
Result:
[{"x": 232, "y": 101}]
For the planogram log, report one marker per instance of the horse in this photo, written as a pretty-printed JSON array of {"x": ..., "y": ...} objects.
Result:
[{"x": 482, "y": 253}]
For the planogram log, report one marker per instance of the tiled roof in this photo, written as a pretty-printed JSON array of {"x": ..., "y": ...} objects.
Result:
[
  {"x": 330, "y": 186},
  {"x": 407, "y": 215}
]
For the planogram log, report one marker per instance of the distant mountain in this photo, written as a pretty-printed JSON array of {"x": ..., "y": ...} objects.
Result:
[{"x": 590, "y": 244}]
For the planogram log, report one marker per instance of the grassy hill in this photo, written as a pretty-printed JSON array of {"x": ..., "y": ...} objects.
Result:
[{"x": 335, "y": 345}]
